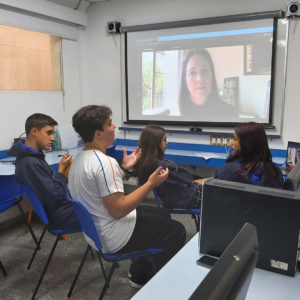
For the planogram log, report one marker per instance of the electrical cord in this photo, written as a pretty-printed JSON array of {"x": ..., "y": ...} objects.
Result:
[
  {"x": 21, "y": 134},
  {"x": 228, "y": 150}
]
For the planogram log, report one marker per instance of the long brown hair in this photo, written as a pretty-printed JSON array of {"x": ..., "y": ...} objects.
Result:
[
  {"x": 150, "y": 143},
  {"x": 185, "y": 102},
  {"x": 254, "y": 153}
]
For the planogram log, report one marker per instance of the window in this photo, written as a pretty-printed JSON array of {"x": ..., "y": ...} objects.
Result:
[{"x": 29, "y": 60}]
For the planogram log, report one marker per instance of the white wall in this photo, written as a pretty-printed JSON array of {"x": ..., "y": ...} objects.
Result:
[
  {"x": 17, "y": 106},
  {"x": 102, "y": 80}
]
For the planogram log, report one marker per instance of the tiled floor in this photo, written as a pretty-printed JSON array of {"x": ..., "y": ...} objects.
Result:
[{"x": 16, "y": 248}]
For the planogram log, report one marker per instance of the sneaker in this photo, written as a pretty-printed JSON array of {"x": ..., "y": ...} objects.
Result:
[{"x": 134, "y": 283}]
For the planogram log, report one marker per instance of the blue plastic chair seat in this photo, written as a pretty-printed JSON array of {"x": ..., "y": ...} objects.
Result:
[
  {"x": 89, "y": 229},
  {"x": 39, "y": 210},
  {"x": 11, "y": 195},
  {"x": 7, "y": 204},
  {"x": 133, "y": 255}
]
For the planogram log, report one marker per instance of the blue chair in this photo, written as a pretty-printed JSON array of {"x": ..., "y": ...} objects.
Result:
[
  {"x": 194, "y": 212},
  {"x": 89, "y": 229},
  {"x": 11, "y": 195},
  {"x": 111, "y": 150},
  {"x": 39, "y": 210}
]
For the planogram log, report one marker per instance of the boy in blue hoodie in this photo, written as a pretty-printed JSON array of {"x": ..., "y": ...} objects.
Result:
[{"x": 33, "y": 171}]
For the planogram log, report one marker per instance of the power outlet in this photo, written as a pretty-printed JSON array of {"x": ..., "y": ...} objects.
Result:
[
  {"x": 224, "y": 141},
  {"x": 213, "y": 140},
  {"x": 219, "y": 141}
]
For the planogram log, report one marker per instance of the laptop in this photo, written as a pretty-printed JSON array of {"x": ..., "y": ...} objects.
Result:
[{"x": 292, "y": 157}]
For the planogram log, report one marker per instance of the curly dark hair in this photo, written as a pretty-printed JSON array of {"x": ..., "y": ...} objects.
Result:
[{"x": 90, "y": 118}]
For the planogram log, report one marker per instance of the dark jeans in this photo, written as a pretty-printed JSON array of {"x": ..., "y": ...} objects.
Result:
[{"x": 154, "y": 228}]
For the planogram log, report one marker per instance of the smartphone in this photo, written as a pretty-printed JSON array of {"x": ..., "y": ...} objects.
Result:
[{"x": 206, "y": 261}]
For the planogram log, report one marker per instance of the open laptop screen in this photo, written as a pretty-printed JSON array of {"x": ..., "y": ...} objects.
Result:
[{"x": 293, "y": 154}]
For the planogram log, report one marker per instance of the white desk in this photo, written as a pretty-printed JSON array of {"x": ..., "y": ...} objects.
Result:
[
  {"x": 181, "y": 276},
  {"x": 52, "y": 158}
]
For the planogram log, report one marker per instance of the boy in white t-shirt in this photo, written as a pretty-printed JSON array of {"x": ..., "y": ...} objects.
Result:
[{"x": 122, "y": 223}]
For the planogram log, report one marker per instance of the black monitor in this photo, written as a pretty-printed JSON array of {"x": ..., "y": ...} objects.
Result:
[
  {"x": 231, "y": 275},
  {"x": 227, "y": 206}
]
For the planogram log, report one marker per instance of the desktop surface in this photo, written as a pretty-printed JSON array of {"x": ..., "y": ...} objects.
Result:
[
  {"x": 7, "y": 166},
  {"x": 179, "y": 278},
  {"x": 204, "y": 155}
]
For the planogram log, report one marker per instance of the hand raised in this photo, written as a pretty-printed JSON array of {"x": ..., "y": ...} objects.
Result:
[
  {"x": 129, "y": 161},
  {"x": 158, "y": 176}
]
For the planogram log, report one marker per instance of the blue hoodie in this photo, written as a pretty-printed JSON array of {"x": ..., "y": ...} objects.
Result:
[
  {"x": 231, "y": 171},
  {"x": 49, "y": 186}
]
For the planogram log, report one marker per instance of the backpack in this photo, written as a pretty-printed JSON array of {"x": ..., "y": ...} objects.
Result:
[{"x": 177, "y": 191}]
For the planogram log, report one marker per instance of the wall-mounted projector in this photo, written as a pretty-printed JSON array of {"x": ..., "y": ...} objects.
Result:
[
  {"x": 113, "y": 27},
  {"x": 293, "y": 9}
]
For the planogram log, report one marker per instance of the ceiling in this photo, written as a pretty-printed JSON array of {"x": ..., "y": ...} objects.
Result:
[{"x": 81, "y": 5}]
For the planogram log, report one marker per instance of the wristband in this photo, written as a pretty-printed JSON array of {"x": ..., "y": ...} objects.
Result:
[{"x": 126, "y": 171}]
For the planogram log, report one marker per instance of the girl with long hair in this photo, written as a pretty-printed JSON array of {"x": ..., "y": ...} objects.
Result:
[
  {"x": 251, "y": 161},
  {"x": 179, "y": 190},
  {"x": 198, "y": 86}
]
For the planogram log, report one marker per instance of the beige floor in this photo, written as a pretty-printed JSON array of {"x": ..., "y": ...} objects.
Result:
[{"x": 16, "y": 248}]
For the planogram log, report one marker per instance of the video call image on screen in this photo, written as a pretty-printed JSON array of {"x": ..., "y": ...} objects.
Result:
[
  {"x": 219, "y": 72},
  {"x": 293, "y": 155}
]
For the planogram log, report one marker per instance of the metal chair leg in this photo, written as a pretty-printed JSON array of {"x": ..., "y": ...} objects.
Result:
[
  {"x": 91, "y": 250},
  {"x": 36, "y": 248},
  {"x": 197, "y": 221},
  {"x": 3, "y": 269},
  {"x": 29, "y": 216},
  {"x": 45, "y": 268},
  {"x": 154, "y": 266},
  {"x": 102, "y": 266},
  {"x": 106, "y": 285},
  {"x": 28, "y": 225},
  {"x": 79, "y": 270}
]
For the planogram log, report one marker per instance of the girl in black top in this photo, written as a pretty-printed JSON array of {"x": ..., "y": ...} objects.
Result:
[{"x": 179, "y": 190}]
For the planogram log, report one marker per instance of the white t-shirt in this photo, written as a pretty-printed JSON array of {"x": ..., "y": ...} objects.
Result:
[{"x": 94, "y": 175}]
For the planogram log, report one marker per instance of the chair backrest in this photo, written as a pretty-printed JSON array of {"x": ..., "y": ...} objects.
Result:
[
  {"x": 156, "y": 197},
  {"x": 87, "y": 223},
  {"x": 110, "y": 151},
  {"x": 36, "y": 203},
  {"x": 195, "y": 211},
  {"x": 9, "y": 188},
  {"x": 293, "y": 178}
]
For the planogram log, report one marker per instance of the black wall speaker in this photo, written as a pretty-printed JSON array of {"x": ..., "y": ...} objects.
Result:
[{"x": 293, "y": 9}]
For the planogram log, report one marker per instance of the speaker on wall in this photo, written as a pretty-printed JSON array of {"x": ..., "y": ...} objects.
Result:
[
  {"x": 113, "y": 27},
  {"x": 293, "y": 9}
]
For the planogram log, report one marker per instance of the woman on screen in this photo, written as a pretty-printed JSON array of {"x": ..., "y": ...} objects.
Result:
[
  {"x": 251, "y": 160},
  {"x": 297, "y": 157},
  {"x": 198, "y": 87},
  {"x": 179, "y": 190}
]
